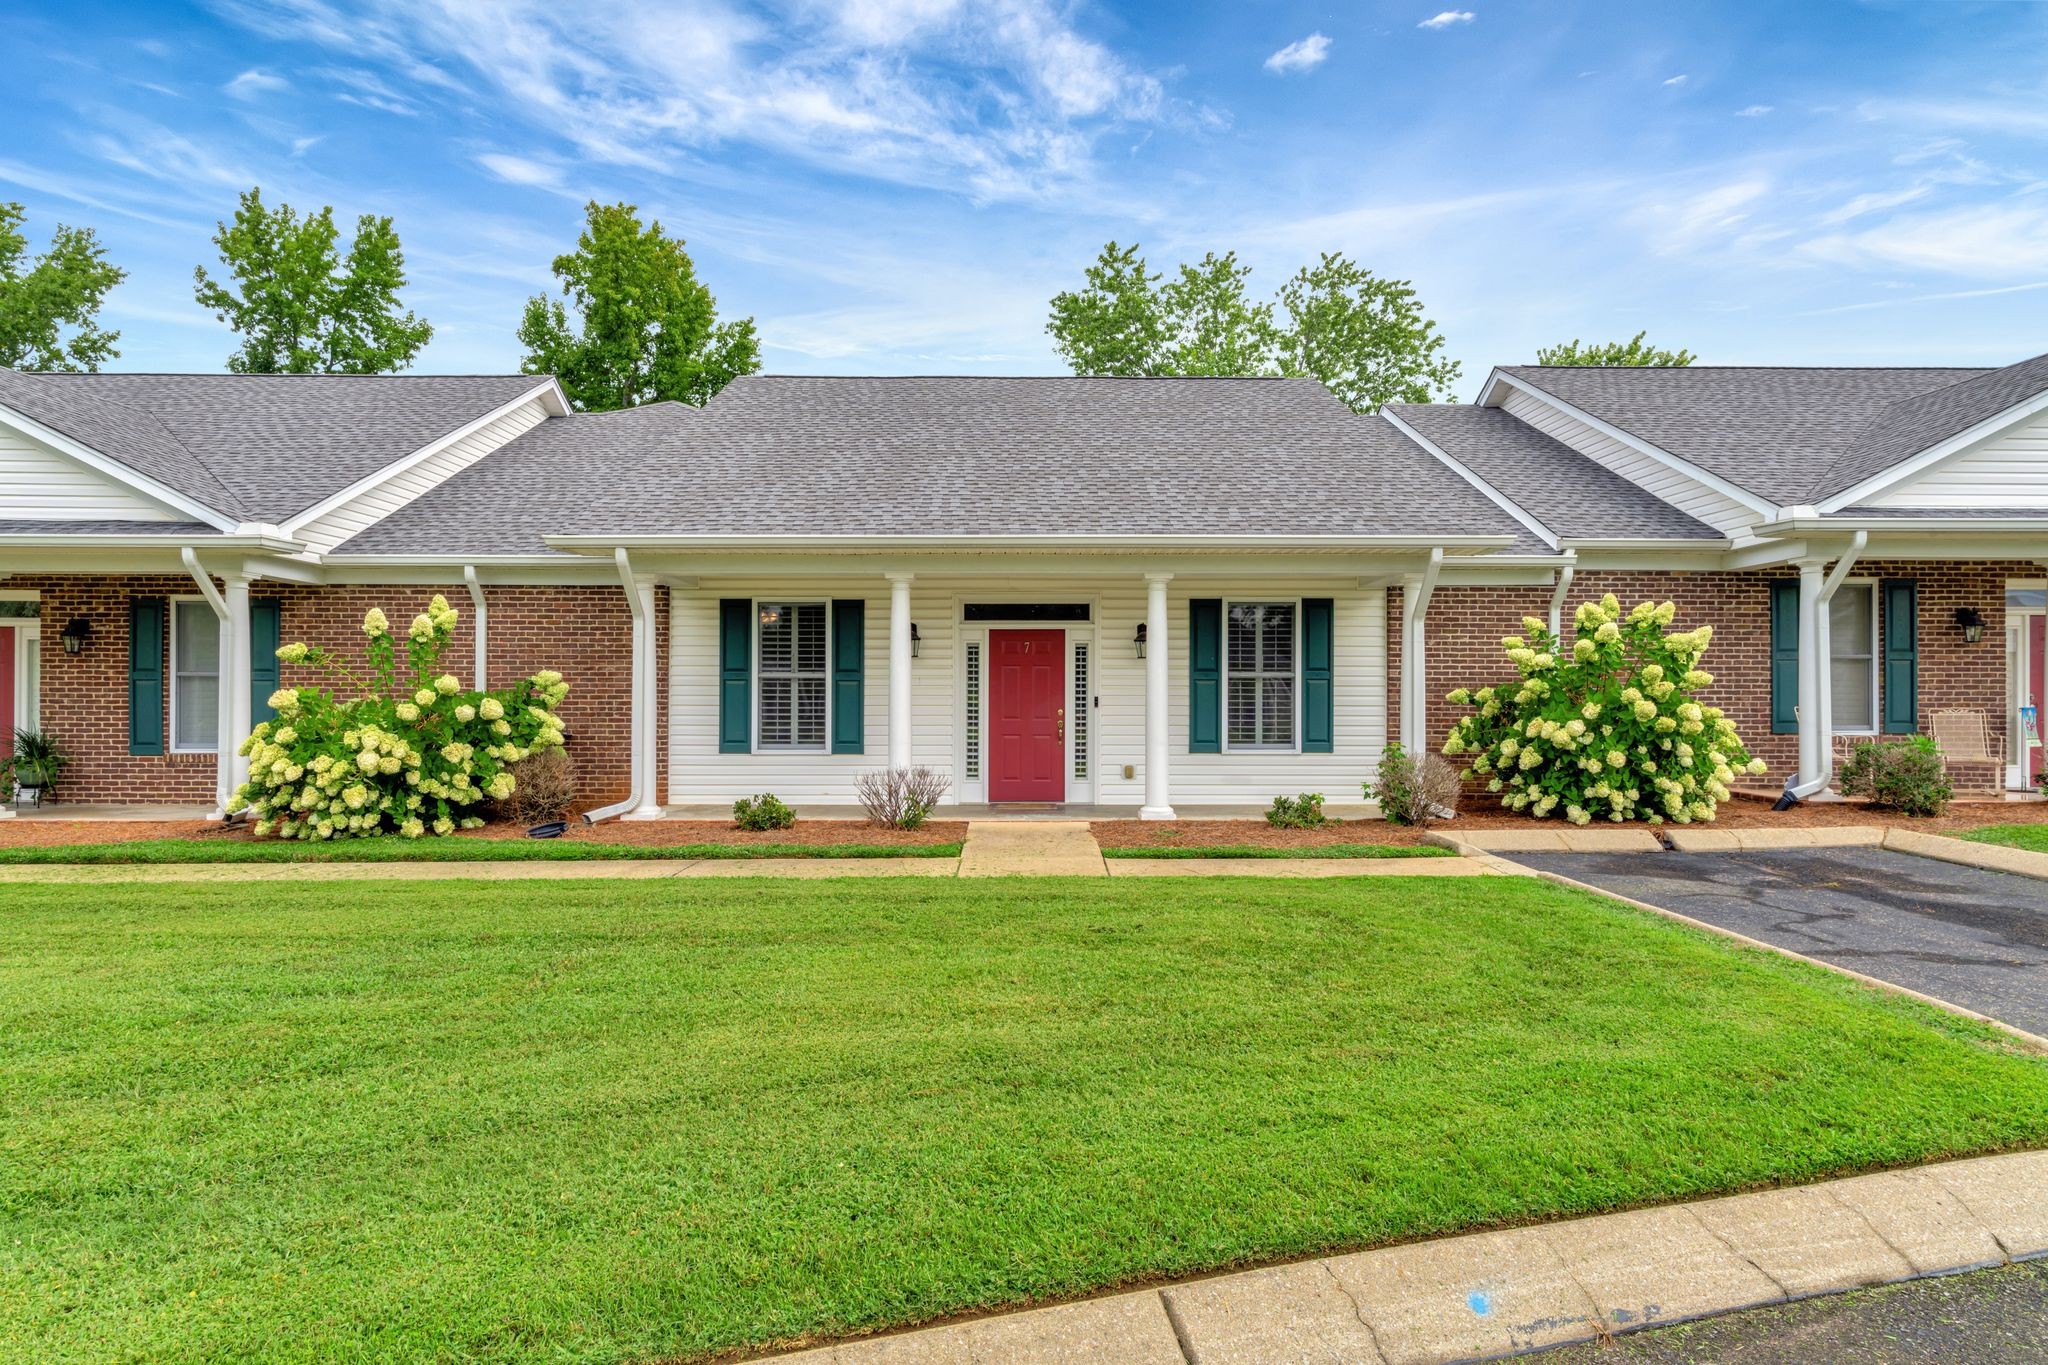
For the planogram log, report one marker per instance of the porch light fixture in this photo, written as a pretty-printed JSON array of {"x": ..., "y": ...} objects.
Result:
[
  {"x": 1138, "y": 640},
  {"x": 916, "y": 640},
  {"x": 76, "y": 632},
  {"x": 1972, "y": 622}
]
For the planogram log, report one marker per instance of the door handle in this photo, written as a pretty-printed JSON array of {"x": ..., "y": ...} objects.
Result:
[{"x": 1060, "y": 720}]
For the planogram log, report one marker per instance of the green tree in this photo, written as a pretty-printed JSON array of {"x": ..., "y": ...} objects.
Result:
[
  {"x": 301, "y": 307},
  {"x": 1212, "y": 325},
  {"x": 1365, "y": 337},
  {"x": 62, "y": 288},
  {"x": 1630, "y": 352},
  {"x": 645, "y": 329},
  {"x": 1116, "y": 324}
]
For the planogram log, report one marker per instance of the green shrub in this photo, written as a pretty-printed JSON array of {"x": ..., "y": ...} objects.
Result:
[
  {"x": 1607, "y": 729},
  {"x": 412, "y": 759},
  {"x": 1297, "y": 812},
  {"x": 1904, "y": 775},
  {"x": 765, "y": 811},
  {"x": 1412, "y": 793}
]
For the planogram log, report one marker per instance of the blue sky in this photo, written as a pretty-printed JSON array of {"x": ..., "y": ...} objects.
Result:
[{"x": 897, "y": 186}]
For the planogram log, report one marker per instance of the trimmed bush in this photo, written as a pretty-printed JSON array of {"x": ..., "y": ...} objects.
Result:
[
  {"x": 900, "y": 798},
  {"x": 409, "y": 758},
  {"x": 1607, "y": 729},
  {"x": 765, "y": 811},
  {"x": 1414, "y": 793},
  {"x": 1903, "y": 775},
  {"x": 1298, "y": 812}
]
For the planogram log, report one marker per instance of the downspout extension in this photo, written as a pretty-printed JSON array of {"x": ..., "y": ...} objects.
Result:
[
  {"x": 483, "y": 628},
  {"x": 1795, "y": 791},
  {"x": 1564, "y": 585},
  {"x": 222, "y": 792},
  {"x": 640, "y": 625}
]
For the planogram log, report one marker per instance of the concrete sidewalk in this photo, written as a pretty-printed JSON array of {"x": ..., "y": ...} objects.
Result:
[
  {"x": 1034, "y": 848},
  {"x": 1498, "y": 1293}
]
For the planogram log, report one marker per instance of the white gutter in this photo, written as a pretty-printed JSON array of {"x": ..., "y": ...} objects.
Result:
[
  {"x": 1564, "y": 584},
  {"x": 223, "y": 790},
  {"x": 1414, "y": 673},
  {"x": 1788, "y": 526},
  {"x": 483, "y": 626},
  {"x": 618, "y": 808},
  {"x": 602, "y": 544},
  {"x": 1823, "y": 647}
]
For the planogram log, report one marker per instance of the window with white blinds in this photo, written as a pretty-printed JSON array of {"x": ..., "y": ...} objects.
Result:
[
  {"x": 973, "y": 755},
  {"x": 195, "y": 677},
  {"x": 1080, "y": 712},
  {"x": 790, "y": 675},
  {"x": 1259, "y": 675}
]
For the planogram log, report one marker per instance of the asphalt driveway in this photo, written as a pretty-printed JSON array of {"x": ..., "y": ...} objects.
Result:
[{"x": 1966, "y": 935}]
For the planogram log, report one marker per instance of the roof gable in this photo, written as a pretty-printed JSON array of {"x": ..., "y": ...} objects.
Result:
[{"x": 1884, "y": 453}]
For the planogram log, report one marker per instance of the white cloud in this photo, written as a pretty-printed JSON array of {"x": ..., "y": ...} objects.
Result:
[
  {"x": 1680, "y": 79},
  {"x": 302, "y": 145},
  {"x": 1448, "y": 18},
  {"x": 1706, "y": 219},
  {"x": 1988, "y": 241},
  {"x": 519, "y": 170},
  {"x": 254, "y": 84},
  {"x": 1870, "y": 203},
  {"x": 1301, "y": 55},
  {"x": 1753, "y": 111}
]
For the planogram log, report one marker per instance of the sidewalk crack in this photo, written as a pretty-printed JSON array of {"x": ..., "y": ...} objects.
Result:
[
  {"x": 1736, "y": 1251},
  {"x": 1180, "y": 1329},
  {"x": 1357, "y": 1311},
  {"x": 1875, "y": 1230}
]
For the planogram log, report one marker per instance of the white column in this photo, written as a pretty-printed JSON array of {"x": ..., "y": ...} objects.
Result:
[
  {"x": 238, "y": 708},
  {"x": 899, "y": 669},
  {"x": 1158, "y": 803},
  {"x": 1813, "y": 739},
  {"x": 1416, "y": 592},
  {"x": 646, "y": 699}
]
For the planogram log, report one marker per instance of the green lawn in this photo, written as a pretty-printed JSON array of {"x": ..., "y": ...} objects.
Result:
[
  {"x": 602, "y": 1121},
  {"x": 2031, "y": 837},
  {"x": 392, "y": 849},
  {"x": 1260, "y": 851}
]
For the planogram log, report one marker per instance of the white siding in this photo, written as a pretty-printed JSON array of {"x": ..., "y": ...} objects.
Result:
[
  {"x": 2010, "y": 470},
  {"x": 375, "y": 503},
  {"x": 700, "y": 775},
  {"x": 38, "y": 484},
  {"x": 1716, "y": 509}
]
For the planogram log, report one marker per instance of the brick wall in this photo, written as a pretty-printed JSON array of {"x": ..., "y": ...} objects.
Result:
[
  {"x": 583, "y": 632},
  {"x": 1466, "y": 624}
]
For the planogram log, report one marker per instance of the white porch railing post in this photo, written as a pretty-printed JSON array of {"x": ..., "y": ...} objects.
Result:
[
  {"x": 899, "y": 670},
  {"x": 1158, "y": 794}
]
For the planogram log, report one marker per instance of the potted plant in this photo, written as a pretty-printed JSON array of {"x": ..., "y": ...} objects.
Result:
[{"x": 38, "y": 759}]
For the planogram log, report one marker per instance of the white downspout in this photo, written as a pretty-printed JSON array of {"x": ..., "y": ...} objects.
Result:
[
  {"x": 1823, "y": 645},
  {"x": 1564, "y": 585},
  {"x": 483, "y": 627},
  {"x": 1415, "y": 598},
  {"x": 223, "y": 789},
  {"x": 640, "y": 629}
]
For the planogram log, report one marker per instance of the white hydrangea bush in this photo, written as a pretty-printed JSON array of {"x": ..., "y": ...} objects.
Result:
[
  {"x": 1608, "y": 729},
  {"x": 412, "y": 756}
]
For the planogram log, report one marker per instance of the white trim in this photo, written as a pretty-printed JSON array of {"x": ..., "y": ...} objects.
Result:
[
  {"x": 1223, "y": 700},
  {"x": 27, "y": 700},
  {"x": 1146, "y": 544},
  {"x": 171, "y": 745},
  {"x": 1636, "y": 443},
  {"x": 114, "y": 469},
  {"x": 824, "y": 746},
  {"x": 1493, "y": 495},
  {"x": 1938, "y": 454},
  {"x": 384, "y": 474}
]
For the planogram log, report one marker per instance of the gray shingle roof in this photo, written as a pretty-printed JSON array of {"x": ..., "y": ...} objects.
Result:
[
  {"x": 951, "y": 456},
  {"x": 1572, "y": 495},
  {"x": 1779, "y": 433},
  {"x": 1910, "y": 425},
  {"x": 260, "y": 447},
  {"x": 179, "y": 529}
]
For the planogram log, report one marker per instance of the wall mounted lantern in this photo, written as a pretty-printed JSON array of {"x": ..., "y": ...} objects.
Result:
[
  {"x": 1139, "y": 639},
  {"x": 76, "y": 632},
  {"x": 1972, "y": 622},
  {"x": 916, "y": 640}
]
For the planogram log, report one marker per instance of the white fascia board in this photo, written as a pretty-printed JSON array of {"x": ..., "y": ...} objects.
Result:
[
  {"x": 1956, "y": 446},
  {"x": 1674, "y": 544},
  {"x": 170, "y": 497},
  {"x": 1492, "y": 494},
  {"x": 43, "y": 540},
  {"x": 604, "y": 545},
  {"x": 1664, "y": 457},
  {"x": 549, "y": 393},
  {"x": 1909, "y": 525}
]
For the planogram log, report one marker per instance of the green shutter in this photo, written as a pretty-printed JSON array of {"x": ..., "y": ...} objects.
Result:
[
  {"x": 849, "y": 676},
  {"x": 1318, "y": 722},
  {"x": 264, "y": 639},
  {"x": 735, "y": 675},
  {"x": 1901, "y": 656},
  {"x": 1205, "y": 675},
  {"x": 145, "y": 675},
  {"x": 1784, "y": 656}
]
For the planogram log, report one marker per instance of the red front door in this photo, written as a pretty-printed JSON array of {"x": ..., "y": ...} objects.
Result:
[
  {"x": 7, "y": 703},
  {"x": 2034, "y": 759},
  {"x": 1027, "y": 682}
]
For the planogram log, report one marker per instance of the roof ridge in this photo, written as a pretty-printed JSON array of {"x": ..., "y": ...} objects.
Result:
[
  {"x": 223, "y": 374},
  {"x": 1798, "y": 369},
  {"x": 1827, "y": 476},
  {"x": 1127, "y": 378}
]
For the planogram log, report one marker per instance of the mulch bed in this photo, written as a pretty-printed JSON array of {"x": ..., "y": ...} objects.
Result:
[{"x": 649, "y": 833}]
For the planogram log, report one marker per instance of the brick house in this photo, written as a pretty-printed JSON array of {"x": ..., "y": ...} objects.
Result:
[{"x": 1159, "y": 594}]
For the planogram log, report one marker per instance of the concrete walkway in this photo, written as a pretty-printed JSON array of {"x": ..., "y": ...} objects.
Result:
[
  {"x": 1036, "y": 848},
  {"x": 1498, "y": 1293}
]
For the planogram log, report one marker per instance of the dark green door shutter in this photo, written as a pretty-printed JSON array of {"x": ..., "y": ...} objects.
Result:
[
  {"x": 1318, "y": 723},
  {"x": 735, "y": 675},
  {"x": 264, "y": 631},
  {"x": 849, "y": 673},
  {"x": 1205, "y": 675},
  {"x": 145, "y": 675},
  {"x": 1784, "y": 656},
  {"x": 1901, "y": 656}
]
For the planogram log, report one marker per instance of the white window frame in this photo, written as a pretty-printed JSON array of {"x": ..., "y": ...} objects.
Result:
[
  {"x": 171, "y": 677},
  {"x": 27, "y": 630},
  {"x": 1869, "y": 585},
  {"x": 755, "y": 673},
  {"x": 1224, "y": 700}
]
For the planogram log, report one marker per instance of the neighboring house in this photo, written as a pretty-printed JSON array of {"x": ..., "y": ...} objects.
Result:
[{"x": 1160, "y": 594}]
